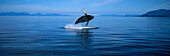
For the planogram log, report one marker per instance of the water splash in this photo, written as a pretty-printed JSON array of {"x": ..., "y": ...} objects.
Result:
[{"x": 73, "y": 26}]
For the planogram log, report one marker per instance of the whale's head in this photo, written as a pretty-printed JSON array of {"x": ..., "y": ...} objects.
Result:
[{"x": 90, "y": 17}]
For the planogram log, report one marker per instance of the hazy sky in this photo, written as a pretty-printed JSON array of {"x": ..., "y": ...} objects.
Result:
[{"x": 91, "y": 6}]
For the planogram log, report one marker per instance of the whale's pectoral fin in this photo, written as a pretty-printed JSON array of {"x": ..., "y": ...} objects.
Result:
[{"x": 84, "y": 12}]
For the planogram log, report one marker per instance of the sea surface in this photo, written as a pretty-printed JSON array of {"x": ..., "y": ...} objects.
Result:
[{"x": 116, "y": 36}]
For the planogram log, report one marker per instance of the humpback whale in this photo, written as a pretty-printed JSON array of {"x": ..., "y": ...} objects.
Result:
[{"x": 85, "y": 18}]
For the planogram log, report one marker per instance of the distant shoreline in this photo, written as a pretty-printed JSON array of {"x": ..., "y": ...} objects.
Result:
[{"x": 153, "y": 13}]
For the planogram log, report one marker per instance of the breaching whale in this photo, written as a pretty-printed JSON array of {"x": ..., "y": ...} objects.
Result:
[{"x": 85, "y": 18}]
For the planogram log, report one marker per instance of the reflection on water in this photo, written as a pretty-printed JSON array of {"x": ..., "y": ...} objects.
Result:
[{"x": 86, "y": 38}]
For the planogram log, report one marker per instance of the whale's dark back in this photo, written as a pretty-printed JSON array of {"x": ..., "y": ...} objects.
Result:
[{"x": 84, "y": 19}]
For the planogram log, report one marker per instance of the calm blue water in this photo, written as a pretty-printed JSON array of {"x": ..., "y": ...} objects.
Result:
[{"x": 119, "y": 36}]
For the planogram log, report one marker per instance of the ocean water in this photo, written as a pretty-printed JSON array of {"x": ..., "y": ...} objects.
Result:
[{"x": 116, "y": 36}]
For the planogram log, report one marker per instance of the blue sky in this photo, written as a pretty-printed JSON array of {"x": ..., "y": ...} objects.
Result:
[{"x": 91, "y": 6}]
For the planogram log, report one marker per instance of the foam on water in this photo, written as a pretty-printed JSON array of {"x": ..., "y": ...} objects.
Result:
[{"x": 73, "y": 26}]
